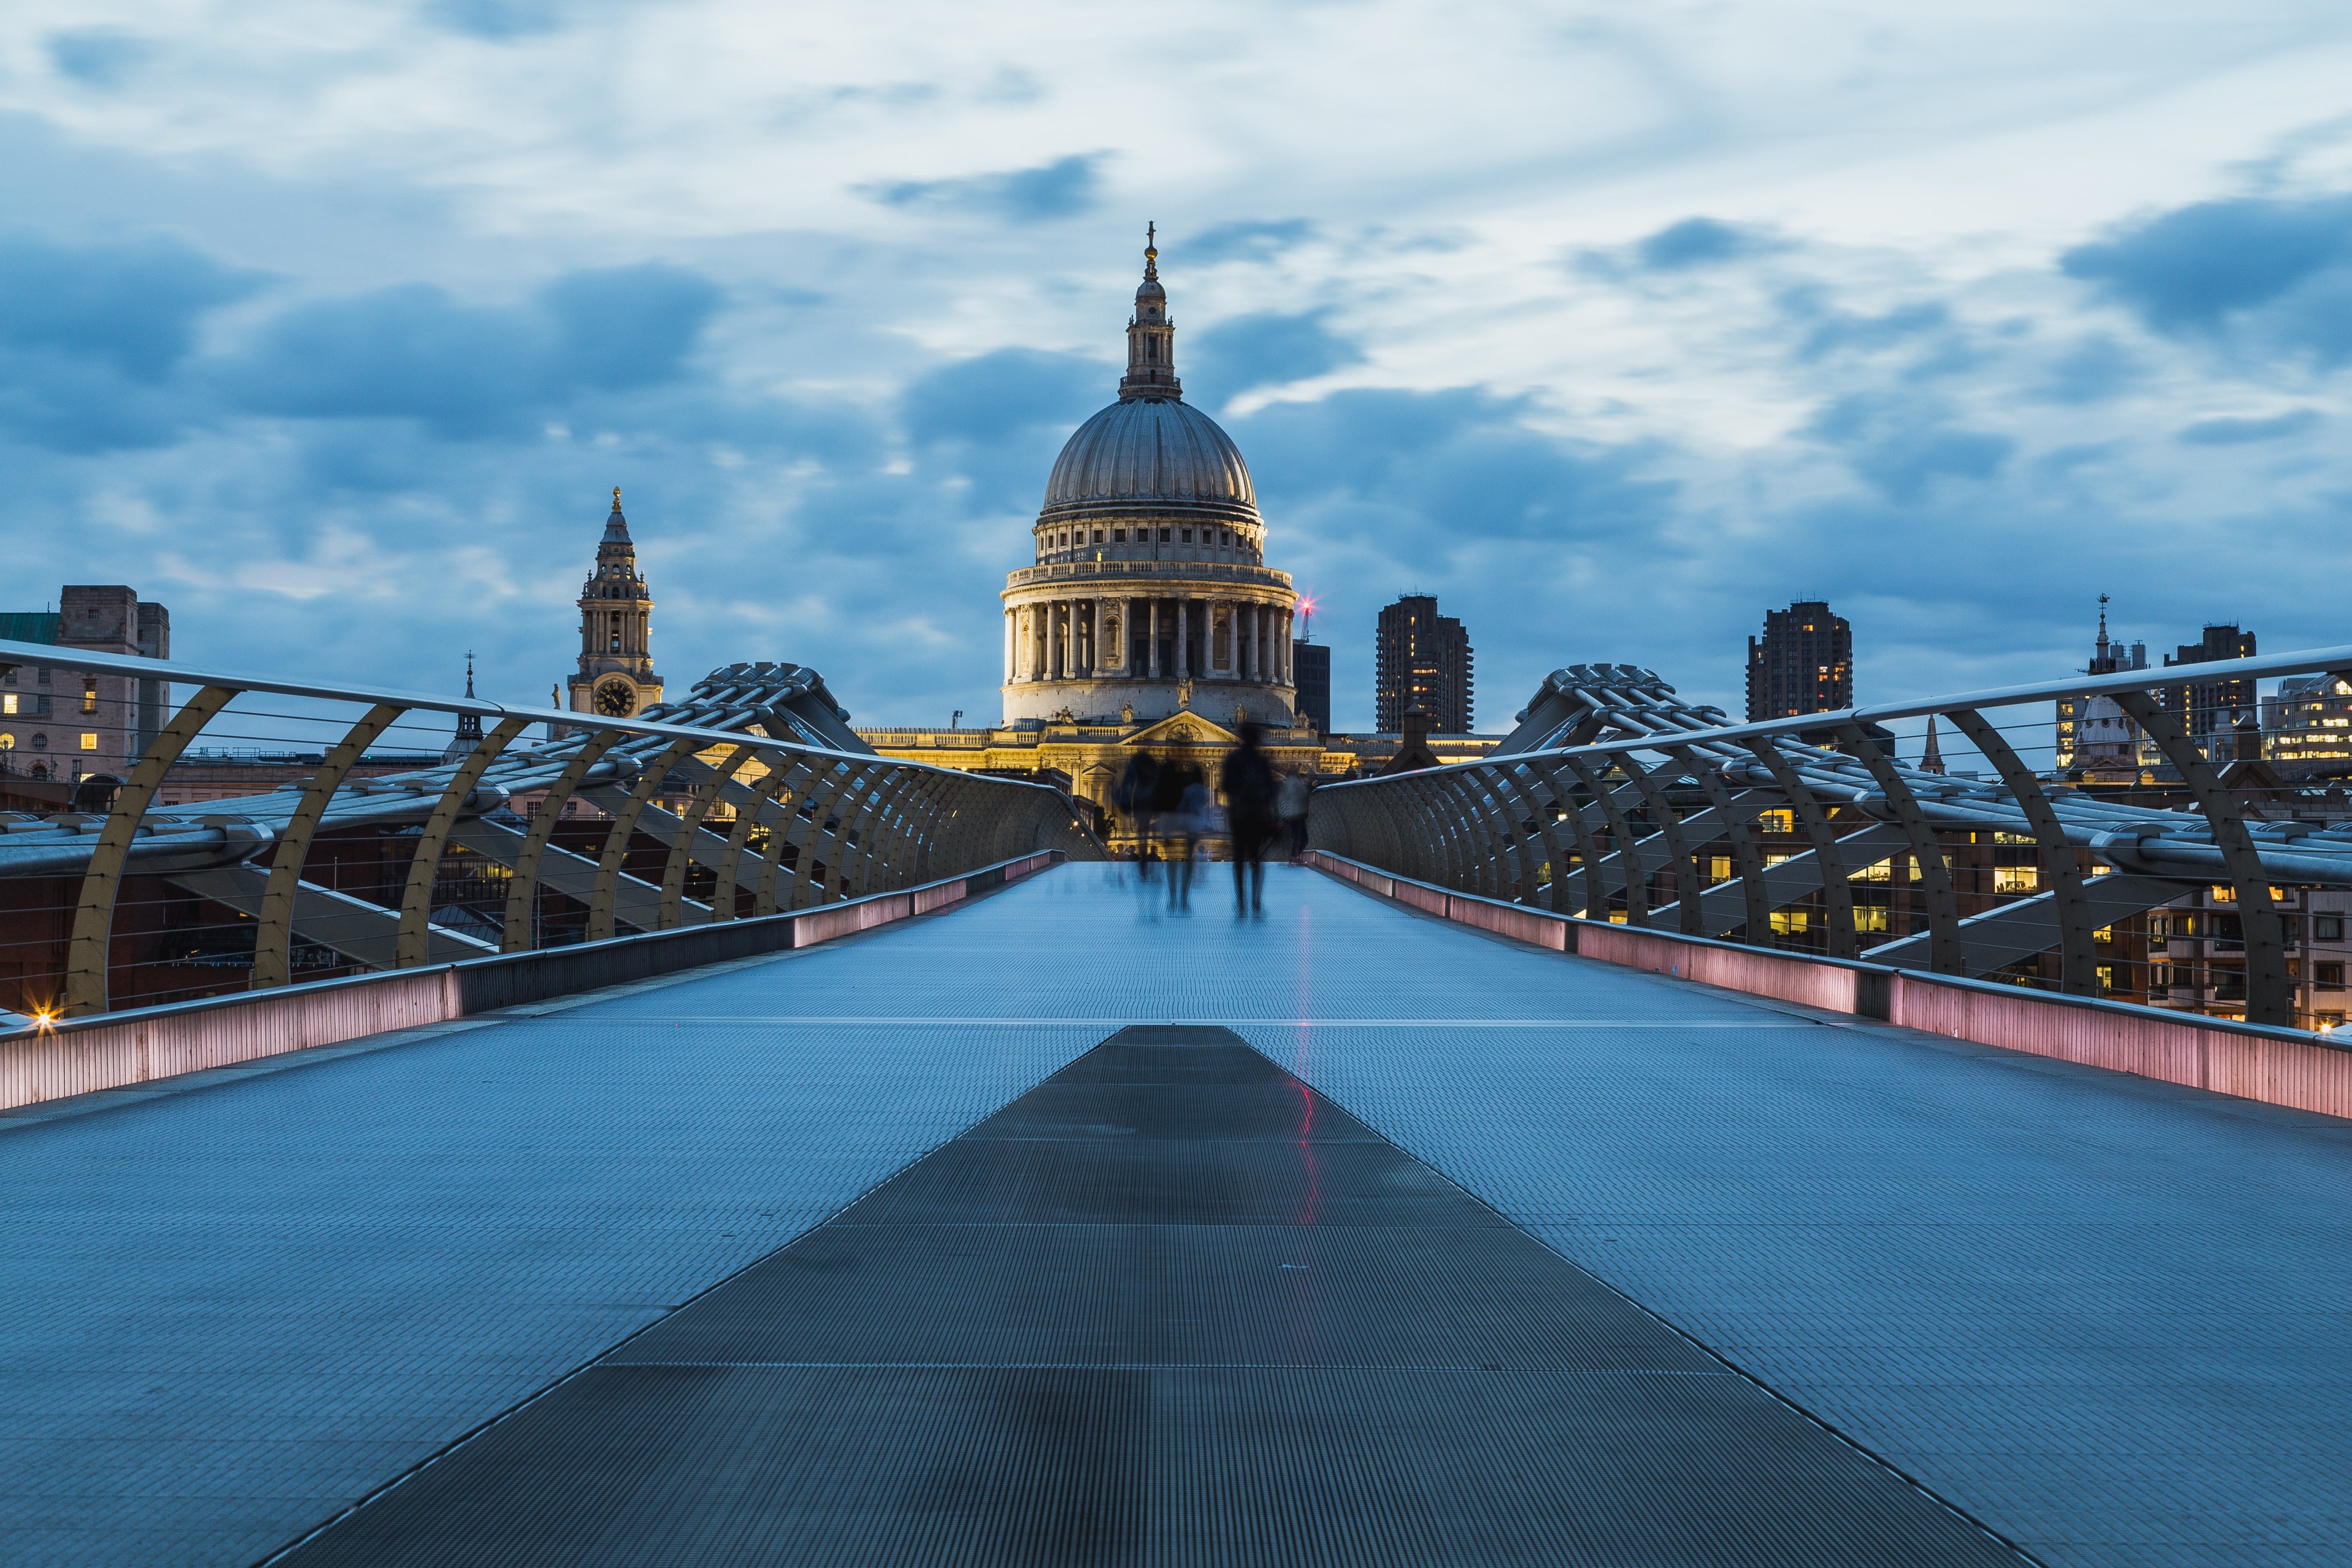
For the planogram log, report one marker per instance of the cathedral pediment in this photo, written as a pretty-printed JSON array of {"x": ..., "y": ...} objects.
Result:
[{"x": 1186, "y": 729}]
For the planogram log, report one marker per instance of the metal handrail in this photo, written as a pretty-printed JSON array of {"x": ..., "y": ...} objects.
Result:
[
  {"x": 874, "y": 823},
  {"x": 1594, "y": 787}
]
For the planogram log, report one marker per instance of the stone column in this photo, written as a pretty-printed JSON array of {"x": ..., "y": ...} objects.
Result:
[
  {"x": 1126, "y": 635},
  {"x": 1151, "y": 649},
  {"x": 1250, "y": 665},
  {"x": 1008, "y": 647},
  {"x": 1183, "y": 606}
]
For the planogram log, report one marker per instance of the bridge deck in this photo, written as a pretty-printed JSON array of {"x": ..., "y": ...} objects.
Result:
[{"x": 2107, "y": 1318}]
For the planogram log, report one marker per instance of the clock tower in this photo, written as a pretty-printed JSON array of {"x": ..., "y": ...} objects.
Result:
[{"x": 616, "y": 675}]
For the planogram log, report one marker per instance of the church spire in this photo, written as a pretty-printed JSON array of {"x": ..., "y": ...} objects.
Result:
[
  {"x": 1150, "y": 335},
  {"x": 469, "y": 725}
]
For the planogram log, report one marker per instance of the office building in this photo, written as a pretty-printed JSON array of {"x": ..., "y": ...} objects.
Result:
[
  {"x": 1310, "y": 667},
  {"x": 2310, "y": 720}
]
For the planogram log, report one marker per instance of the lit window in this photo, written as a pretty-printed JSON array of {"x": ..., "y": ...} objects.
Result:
[
  {"x": 8, "y": 702},
  {"x": 89, "y": 740},
  {"x": 90, "y": 696}
]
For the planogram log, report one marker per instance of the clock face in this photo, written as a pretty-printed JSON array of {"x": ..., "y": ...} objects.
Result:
[{"x": 616, "y": 701}]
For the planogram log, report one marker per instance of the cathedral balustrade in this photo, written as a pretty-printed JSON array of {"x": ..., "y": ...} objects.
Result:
[
  {"x": 362, "y": 837},
  {"x": 1615, "y": 801},
  {"x": 1174, "y": 571}
]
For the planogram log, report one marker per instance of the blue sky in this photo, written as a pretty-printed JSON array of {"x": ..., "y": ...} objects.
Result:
[{"x": 331, "y": 327}]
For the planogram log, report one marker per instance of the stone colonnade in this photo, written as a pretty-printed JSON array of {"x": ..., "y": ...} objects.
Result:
[{"x": 1093, "y": 636}]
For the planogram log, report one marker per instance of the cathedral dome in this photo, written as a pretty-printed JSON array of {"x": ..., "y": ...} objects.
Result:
[{"x": 1149, "y": 450}]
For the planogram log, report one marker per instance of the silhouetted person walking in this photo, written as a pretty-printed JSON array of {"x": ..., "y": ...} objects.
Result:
[
  {"x": 1291, "y": 803},
  {"x": 1134, "y": 798},
  {"x": 1251, "y": 790},
  {"x": 1182, "y": 801}
]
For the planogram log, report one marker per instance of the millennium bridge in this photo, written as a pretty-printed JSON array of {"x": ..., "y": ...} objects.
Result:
[{"x": 691, "y": 1138}]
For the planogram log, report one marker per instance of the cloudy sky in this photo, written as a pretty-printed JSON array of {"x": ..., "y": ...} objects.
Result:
[{"x": 331, "y": 327}]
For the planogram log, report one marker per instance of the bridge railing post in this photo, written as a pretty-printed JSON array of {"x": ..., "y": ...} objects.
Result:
[
  {"x": 102, "y": 881},
  {"x": 1633, "y": 874},
  {"x": 1747, "y": 860},
  {"x": 273, "y": 936},
  {"x": 1837, "y": 893},
  {"x": 2269, "y": 998},
  {"x": 1926, "y": 852},
  {"x": 2077, "y": 954},
  {"x": 522, "y": 885},
  {"x": 413, "y": 945},
  {"x": 1678, "y": 850}
]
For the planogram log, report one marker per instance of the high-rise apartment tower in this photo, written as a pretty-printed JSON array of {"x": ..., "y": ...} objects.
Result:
[
  {"x": 1803, "y": 663},
  {"x": 1422, "y": 657}
]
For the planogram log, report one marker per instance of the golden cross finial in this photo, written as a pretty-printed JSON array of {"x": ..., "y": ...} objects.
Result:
[{"x": 616, "y": 497}]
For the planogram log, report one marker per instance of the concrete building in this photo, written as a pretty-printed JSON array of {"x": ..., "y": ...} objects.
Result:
[
  {"x": 65, "y": 725},
  {"x": 1424, "y": 660},
  {"x": 2208, "y": 709},
  {"x": 1803, "y": 663}
]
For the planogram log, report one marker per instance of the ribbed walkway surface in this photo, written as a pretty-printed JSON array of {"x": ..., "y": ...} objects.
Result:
[{"x": 2109, "y": 1319}]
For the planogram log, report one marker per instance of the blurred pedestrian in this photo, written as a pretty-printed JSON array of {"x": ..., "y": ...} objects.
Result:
[
  {"x": 1189, "y": 822},
  {"x": 1291, "y": 803},
  {"x": 1252, "y": 795},
  {"x": 1132, "y": 796}
]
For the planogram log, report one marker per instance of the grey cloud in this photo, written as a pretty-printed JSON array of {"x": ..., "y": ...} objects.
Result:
[
  {"x": 1903, "y": 446},
  {"x": 998, "y": 419},
  {"x": 411, "y": 351},
  {"x": 1062, "y": 188},
  {"x": 134, "y": 306},
  {"x": 1257, "y": 241},
  {"x": 2261, "y": 270},
  {"x": 1830, "y": 330},
  {"x": 1691, "y": 245},
  {"x": 1448, "y": 467},
  {"x": 2236, "y": 432},
  {"x": 497, "y": 20},
  {"x": 2196, "y": 266},
  {"x": 98, "y": 57},
  {"x": 1700, "y": 242},
  {"x": 92, "y": 339},
  {"x": 2092, "y": 370},
  {"x": 1264, "y": 350}
]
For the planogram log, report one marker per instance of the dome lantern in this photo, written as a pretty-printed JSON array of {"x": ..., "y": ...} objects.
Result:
[{"x": 1150, "y": 336}]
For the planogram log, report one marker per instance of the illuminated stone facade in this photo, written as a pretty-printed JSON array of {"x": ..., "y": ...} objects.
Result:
[
  {"x": 615, "y": 675},
  {"x": 1149, "y": 620}
]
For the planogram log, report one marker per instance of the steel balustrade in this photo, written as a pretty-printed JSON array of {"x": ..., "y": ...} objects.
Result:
[
  {"x": 1610, "y": 780},
  {"x": 872, "y": 824}
]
